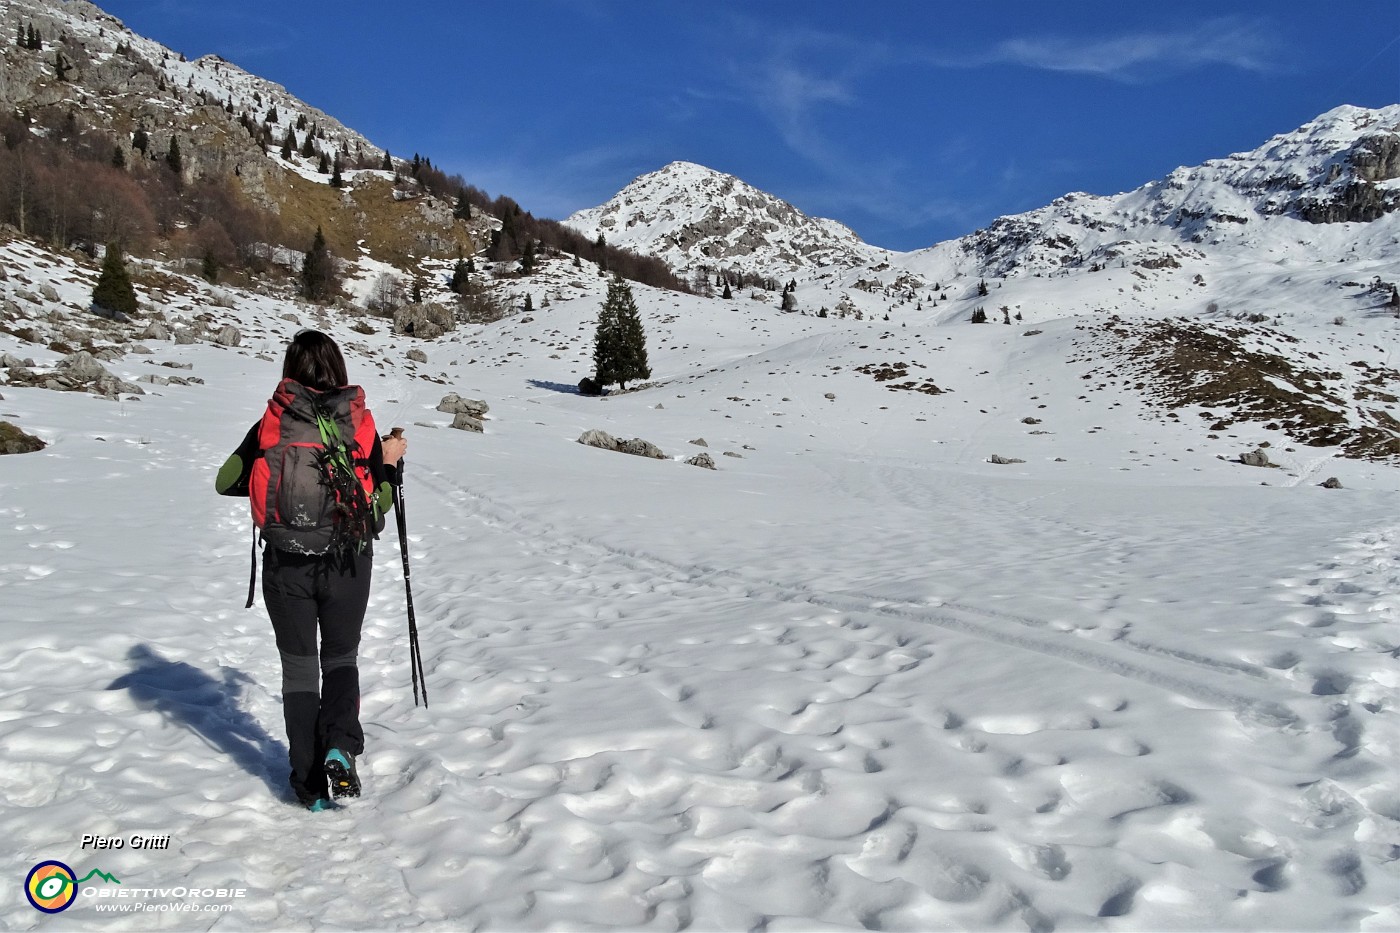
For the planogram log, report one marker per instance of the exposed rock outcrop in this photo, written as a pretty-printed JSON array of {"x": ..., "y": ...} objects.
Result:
[
  {"x": 15, "y": 441},
  {"x": 635, "y": 446}
]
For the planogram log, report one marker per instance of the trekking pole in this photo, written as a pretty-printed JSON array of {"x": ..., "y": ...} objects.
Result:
[{"x": 415, "y": 654}]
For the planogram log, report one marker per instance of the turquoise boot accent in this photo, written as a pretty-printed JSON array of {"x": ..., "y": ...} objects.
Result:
[{"x": 340, "y": 769}]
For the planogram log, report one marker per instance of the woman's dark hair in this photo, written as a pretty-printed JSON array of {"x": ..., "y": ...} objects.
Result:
[{"x": 314, "y": 360}]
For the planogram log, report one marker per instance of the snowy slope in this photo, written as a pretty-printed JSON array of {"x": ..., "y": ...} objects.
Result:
[{"x": 858, "y": 677}]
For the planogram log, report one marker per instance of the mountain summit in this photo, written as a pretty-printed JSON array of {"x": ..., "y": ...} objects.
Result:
[{"x": 694, "y": 218}]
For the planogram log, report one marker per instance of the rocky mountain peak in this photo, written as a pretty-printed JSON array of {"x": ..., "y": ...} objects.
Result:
[{"x": 696, "y": 218}]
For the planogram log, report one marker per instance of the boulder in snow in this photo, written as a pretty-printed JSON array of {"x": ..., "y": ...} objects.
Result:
[
  {"x": 640, "y": 448},
  {"x": 465, "y": 422},
  {"x": 599, "y": 439},
  {"x": 15, "y": 441},
  {"x": 454, "y": 404}
]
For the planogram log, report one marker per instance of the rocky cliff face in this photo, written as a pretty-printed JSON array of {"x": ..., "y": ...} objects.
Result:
[
  {"x": 95, "y": 71},
  {"x": 119, "y": 81},
  {"x": 1357, "y": 189}
]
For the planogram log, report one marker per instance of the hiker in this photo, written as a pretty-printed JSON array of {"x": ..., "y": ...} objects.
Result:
[{"x": 318, "y": 479}]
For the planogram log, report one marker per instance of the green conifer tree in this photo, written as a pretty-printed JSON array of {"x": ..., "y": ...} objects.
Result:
[
  {"x": 318, "y": 270},
  {"x": 620, "y": 349},
  {"x": 173, "y": 159},
  {"x": 606, "y": 343},
  {"x": 114, "y": 292},
  {"x": 459, "y": 277}
]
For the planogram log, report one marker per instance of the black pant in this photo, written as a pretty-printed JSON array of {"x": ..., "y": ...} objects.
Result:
[{"x": 320, "y": 688}]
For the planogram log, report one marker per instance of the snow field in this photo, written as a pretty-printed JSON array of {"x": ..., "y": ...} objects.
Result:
[{"x": 857, "y": 678}]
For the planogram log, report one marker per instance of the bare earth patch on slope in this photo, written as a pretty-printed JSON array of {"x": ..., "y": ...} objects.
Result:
[
  {"x": 887, "y": 372},
  {"x": 1257, "y": 374}
]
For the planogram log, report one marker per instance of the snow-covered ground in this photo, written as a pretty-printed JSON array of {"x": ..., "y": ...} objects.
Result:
[{"x": 858, "y": 677}]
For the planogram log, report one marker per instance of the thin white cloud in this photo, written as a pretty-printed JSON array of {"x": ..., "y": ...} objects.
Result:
[
  {"x": 1247, "y": 45},
  {"x": 798, "y": 77}
]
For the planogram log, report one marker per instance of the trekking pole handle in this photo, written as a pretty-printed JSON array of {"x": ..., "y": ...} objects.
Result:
[{"x": 398, "y": 432}]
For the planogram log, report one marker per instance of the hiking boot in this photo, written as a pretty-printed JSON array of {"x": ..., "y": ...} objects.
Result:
[
  {"x": 340, "y": 769},
  {"x": 320, "y": 805}
]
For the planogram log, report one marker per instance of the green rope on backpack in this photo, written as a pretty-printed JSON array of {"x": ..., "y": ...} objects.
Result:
[{"x": 351, "y": 507}]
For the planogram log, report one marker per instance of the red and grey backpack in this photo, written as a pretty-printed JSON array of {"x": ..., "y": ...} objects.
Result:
[{"x": 311, "y": 490}]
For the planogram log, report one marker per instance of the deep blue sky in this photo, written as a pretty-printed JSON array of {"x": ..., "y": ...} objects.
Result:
[{"x": 912, "y": 121}]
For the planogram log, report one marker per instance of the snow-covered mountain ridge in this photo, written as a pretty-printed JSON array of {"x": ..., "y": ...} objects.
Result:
[{"x": 1340, "y": 168}]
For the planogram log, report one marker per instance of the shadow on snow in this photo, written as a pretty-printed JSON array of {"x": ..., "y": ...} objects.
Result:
[
  {"x": 553, "y": 386},
  {"x": 193, "y": 699}
]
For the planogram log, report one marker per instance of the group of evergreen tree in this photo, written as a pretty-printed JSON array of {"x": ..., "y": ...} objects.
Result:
[
  {"x": 70, "y": 184},
  {"x": 28, "y": 38},
  {"x": 729, "y": 279},
  {"x": 522, "y": 236},
  {"x": 620, "y": 343}
]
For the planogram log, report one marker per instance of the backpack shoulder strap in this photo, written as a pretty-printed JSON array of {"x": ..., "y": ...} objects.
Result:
[{"x": 253, "y": 572}]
